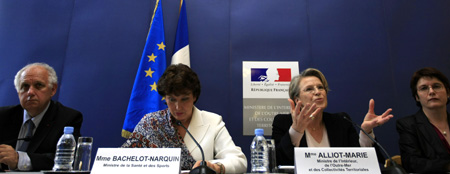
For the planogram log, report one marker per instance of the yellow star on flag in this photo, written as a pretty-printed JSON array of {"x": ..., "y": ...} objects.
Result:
[
  {"x": 151, "y": 58},
  {"x": 153, "y": 86},
  {"x": 149, "y": 72},
  {"x": 161, "y": 46}
]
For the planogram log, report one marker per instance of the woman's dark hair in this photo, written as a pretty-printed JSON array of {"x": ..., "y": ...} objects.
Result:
[
  {"x": 179, "y": 79},
  {"x": 427, "y": 72}
]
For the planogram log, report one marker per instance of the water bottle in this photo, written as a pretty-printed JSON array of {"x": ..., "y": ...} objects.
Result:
[
  {"x": 259, "y": 153},
  {"x": 65, "y": 151}
]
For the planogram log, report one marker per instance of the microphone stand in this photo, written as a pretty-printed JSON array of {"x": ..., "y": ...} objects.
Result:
[
  {"x": 203, "y": 168},
  {"x": 394, "y": 168},
  {"x": 27, "y": 138}
]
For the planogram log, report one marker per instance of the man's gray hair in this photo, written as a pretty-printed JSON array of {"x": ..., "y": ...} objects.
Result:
[{"x": 52, "y": 77}]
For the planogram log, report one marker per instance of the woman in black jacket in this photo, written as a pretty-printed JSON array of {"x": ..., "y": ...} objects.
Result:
[{"x": 425, "y": 136}]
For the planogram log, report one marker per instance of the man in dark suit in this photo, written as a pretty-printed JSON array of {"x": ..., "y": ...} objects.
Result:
[{"x": 30, "y": 131}]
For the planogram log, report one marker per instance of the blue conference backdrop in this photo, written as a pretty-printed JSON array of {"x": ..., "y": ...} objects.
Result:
[{"x": 366, "y": 49}]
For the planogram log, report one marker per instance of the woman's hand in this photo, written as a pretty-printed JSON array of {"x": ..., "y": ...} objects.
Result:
[
  {"x": 372, "y": 120},
  {"x": 215, "y": 167},
  {"x": 302, "y": 117}
]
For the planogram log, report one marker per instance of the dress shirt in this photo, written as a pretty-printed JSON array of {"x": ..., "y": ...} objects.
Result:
[{"x": 24, "y": 162}]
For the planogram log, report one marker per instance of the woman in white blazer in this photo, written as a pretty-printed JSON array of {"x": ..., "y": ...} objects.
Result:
[{"x": 180, "y": 87}]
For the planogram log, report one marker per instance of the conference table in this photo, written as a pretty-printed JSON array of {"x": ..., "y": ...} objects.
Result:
[
  {"x": 75, "y": 173},
  {"x": 283, "y": 170},
  {"x": 14, "y": 172},
  {"x": 42, "y": 172}
]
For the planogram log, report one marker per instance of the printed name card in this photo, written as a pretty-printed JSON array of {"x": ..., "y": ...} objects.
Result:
[
  {"x": 336, "y": 160},
  {"x": 142, "y": 160}
]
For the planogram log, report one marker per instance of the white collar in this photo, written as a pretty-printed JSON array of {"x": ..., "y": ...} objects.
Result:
[{"x": 37, "y": 119}]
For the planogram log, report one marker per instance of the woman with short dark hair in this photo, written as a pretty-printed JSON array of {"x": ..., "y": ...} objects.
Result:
[
  {"x": 425, "y": 136},
  {"x": 180, "y": 87}
]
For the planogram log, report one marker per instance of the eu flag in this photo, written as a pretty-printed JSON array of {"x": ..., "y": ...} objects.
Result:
[{"x": 144, "y": 97}]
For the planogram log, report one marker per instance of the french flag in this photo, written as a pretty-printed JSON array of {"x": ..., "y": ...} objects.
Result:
[{"x": 181, "y": 50}]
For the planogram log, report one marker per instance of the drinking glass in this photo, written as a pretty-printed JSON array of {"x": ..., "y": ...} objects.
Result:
[
  {"x": 83, "y": 154},
  {"x": 272, "y": 156}
]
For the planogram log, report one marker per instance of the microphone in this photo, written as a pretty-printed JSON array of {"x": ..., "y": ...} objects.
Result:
[
  {"x": 394, "y": 168},
  {"x": 203, "y": 168},
  {"x": 27, "y": 138}
]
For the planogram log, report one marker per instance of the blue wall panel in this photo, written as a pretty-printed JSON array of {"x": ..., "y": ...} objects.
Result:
[{"x": 366, "y": 49}]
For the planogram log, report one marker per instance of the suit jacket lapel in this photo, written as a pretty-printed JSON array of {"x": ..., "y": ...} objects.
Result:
[
  {"x": 426, "y": 129},
  {"x": 12, "y": 127},
  {"x": 338, "y": 130},
  {"x": 198, "y": 129},
  {"x": 334, "y": 134},
  {"x": 44, "y": 128}
]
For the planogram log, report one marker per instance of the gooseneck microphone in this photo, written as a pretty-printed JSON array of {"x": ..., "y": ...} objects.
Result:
[
  {"x": 394, "y": 168},
  {"x": 203, "y": 168},
  {"x": 27, "y": 138}
]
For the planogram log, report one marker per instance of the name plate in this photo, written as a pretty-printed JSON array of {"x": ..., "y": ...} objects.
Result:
[
  {"x": 336, "y": 160},
  {"x": 130, "y": 160}
]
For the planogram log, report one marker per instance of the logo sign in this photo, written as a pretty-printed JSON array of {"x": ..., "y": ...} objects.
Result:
[
  {"x": 137, "y": 160},
  {"x": 271, "y": 74},
  {"x": 267, "y": 79},
  {"x": 265, "y": 92},
  {"x": 336, "y": 160}
]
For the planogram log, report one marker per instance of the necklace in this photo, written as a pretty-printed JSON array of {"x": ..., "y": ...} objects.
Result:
[
  {"x": 443, "y": 132},
  {"x": 315, "y": 128}
]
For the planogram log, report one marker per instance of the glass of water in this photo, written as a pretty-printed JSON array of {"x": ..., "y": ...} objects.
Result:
[
  {"x": 272, "y": 156},
  {"x": 83, "y": 154}
]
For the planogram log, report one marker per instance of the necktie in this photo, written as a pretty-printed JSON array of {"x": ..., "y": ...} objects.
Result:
[{"x": 30, "y": 126}]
